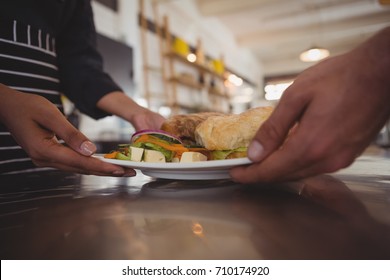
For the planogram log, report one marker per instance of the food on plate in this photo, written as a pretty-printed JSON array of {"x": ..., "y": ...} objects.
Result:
[
  {"x": 153, "y": 156},
  {"x": 192, "y": 157},
  {"x": 184, "y": 125},
  {"x": 195, "y": 137},
  {"x": 224, "y": 136},
  {"x": 136, "y": 154},
  {"x": 155, "y": 146},
  {"x": 159, "y": 141},
  {"x": 229, "y": 136}
]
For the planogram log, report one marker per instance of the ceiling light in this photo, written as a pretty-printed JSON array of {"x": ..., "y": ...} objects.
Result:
[{"x": 314, "y": 54}]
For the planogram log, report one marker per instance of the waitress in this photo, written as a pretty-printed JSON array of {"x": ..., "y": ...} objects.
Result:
[{"x": 48, "y": 48}]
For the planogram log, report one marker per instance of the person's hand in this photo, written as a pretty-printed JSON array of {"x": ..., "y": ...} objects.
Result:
[
  {"x": 35, "y": 123},
  {"x": 337, "y": 107},
  {"x": 147, "y": 119},
  {"x": 121, "y": 105}
]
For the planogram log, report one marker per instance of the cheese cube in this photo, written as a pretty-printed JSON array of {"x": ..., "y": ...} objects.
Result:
[
  {"x": 136, "y": 153},
  {"x": 153, "y": 156},
  {"x": 175, "y": 159},
  {"x": 192, "y": 157}
]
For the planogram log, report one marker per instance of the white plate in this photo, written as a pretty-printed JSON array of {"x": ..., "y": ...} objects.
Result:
[{"x": 203, "y": 170}]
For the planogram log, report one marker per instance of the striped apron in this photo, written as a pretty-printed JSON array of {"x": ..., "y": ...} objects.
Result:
[{"x": 28, "y": 63}]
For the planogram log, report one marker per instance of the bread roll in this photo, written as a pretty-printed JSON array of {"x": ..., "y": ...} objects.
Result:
[
  {"x": 184, "y": 126},
  {"x": 232, "y": 131}
]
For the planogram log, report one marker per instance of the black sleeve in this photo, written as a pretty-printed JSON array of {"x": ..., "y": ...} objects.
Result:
[{"x": 81, "y": 66}]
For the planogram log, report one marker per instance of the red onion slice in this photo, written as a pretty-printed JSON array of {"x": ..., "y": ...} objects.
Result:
[{"x": 154, "y": 131}]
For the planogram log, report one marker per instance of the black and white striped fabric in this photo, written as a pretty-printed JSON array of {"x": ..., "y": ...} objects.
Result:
[{"x": 28, "y": 63}]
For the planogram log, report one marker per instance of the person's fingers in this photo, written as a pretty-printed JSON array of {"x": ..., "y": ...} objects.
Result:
[
  {"x": 273, "y": 168},
  {"x": 66, "y": 131},
  {"x": 332, "y": 162},
  {"x": 59, "y": 156},
  {"x": 273, "y": 132},
  {"x": 298, "y": 153},
  {"x": 91, "y": 171},
  {"x": 301, "y": 156},
  {"x": 36, "y": 128},
  {"x": 147, "y": 120}
]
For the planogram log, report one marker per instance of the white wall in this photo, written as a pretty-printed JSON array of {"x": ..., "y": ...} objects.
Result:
[{"x": 185, "y": 22}]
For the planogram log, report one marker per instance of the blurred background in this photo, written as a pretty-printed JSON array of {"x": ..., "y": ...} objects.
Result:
[{"x": 185, "y": 56}]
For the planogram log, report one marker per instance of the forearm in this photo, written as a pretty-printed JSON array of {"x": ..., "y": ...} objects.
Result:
[
  {"x": 119, "y": 104},
  {"x": 3, "y": 90},
  {"x": 6, "y": 101}
]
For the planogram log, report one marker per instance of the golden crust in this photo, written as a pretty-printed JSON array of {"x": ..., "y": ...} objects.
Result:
[
  {"x": 232, "y": 131},
  {"x": 184, "y": 126}
]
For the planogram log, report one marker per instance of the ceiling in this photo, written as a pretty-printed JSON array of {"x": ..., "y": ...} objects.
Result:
[{"x": 277, "y": 31}]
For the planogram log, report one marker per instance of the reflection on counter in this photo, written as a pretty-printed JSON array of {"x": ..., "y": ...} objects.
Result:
[
  {"x": 383, "y": 138},
  {"x": 65, "y": 216}
]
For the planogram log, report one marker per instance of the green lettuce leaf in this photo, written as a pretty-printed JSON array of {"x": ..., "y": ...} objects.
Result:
[
  {"x": 223, "y": 154},
  {"x": 122, "y": 156}
]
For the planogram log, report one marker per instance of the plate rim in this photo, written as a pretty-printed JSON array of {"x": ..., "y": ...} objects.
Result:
[{"x": 177, "y": 165}]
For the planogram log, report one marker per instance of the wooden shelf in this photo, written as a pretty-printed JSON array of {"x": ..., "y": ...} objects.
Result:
[
  {"x": 194, "y": 109},
  {"x": 197, "y": 80},
  {"x": 200, "y": 67},
  {"x": 186, "y": 82},
  {"x": 197, "y": 77},
  {"x": 216, "y": 92}
]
